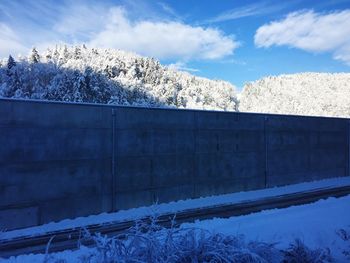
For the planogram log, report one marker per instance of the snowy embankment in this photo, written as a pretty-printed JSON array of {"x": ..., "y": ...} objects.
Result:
[
  {"x": 317, "y": 225},
  {"x": 314, "y": 223},
  {"x": 173, "y": 207}
]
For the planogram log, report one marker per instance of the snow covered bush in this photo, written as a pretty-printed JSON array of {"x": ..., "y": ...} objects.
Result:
[
  {"x": 81, "y": 74},
  {"x": 317, "y": 94},
  {"x": 345, "y": 236},
  {"x": 298, "y": 252},
  {"x": 150, "y": 242},
  {"x": 153, "y": 243}
]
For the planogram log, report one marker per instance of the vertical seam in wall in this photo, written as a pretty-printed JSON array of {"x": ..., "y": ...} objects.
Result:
[
  {"x": 195, "y": 168},
  {"x": 152, "y": 157},
  {"x": 266, "y": 151},
  {"x": 348, "y": 150},
  {"x": 309, "y": 149},
  {"x": 114, "y": 145},
  {"x": 39, "y": 215}
]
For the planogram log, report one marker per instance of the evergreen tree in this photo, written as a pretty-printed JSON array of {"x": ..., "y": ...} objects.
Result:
[
  {"x": 48, "y": 55},
  {"x": 12, "y": 80},
  {"x": 10, "y": 62},
  {"x": 34, "y": 56},
  {"x": 64, "y": 55},
  {"x": 56, "y": 54},
  {"x": 77, "y": 53}
]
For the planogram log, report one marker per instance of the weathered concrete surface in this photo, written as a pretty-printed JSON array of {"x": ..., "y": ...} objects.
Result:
[
  {"x": 56, "y": 158},
  {"x": 67, "y": 160},
  {"x": 304, "y": 149}
]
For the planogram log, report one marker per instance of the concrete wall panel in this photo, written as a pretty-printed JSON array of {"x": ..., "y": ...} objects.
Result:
[
  {"x": 13, "y": 218},
  {"x": 141, "y": 118},
  {"x": 66, "y": 160},
  {"x": 34, "y": 114},
  {"x": 229, "y": 121},
  {"x": 37, "y": 144},
  {"x": 298, "y": 148},
  {"x": 134, "y": 173}
]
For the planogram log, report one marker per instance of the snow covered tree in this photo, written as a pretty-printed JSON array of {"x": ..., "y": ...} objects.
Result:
[
  {"x": 114, "y": 76},
  {"x": 48, "y": 55},
  {"x": 77, "y": 53},
  {"x": 124, "y": 78},
  {"x": 317, "y": 94},
  {"x": 11, "y": 79},
  {"x": 34, "y": 56},
  {"x": 10, "y": 63},
  {"x": 63, "y": 55}
]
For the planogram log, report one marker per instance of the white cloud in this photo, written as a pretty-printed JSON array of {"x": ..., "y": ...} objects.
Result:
[
  {"x": 169, "y": 10},
  {"x": 236, "y": 13},
  {"x": 9, "y": 41},
  {"x": 255, "y": 9},
  {"x": 103, "y": 25},
  {"x": 81, "y": 22},
  {"x": 163, "y": 40},
  {"x": 179, "y": 65},
  {"x": 310, "y": 31}
]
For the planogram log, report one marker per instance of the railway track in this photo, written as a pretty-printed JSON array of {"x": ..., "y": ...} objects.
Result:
[{"x": 69, "y": 238}]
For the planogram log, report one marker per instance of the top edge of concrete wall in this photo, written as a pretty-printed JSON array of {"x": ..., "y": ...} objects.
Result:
[{"x": 165, "y": 108}]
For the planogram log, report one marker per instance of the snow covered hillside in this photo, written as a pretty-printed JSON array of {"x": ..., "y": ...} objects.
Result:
[
  {"x": 82, "y": 74},
  {"x": 317, "y": 94}
]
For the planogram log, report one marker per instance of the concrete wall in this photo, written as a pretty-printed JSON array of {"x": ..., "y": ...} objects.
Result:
[
  {"x": 67, "y": 160},
  {"x": 54, "y": 162}
]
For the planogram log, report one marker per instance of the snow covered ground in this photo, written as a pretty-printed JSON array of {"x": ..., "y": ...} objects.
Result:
[
  {"x": 173, "y": 207},
  {"x": 315, "y": 224}
]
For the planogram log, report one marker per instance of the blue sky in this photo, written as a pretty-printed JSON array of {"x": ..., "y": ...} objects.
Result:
[{"x": 237, "y": 41}]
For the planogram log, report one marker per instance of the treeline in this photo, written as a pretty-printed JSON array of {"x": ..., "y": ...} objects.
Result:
[{"x": 81, "y": 74}]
